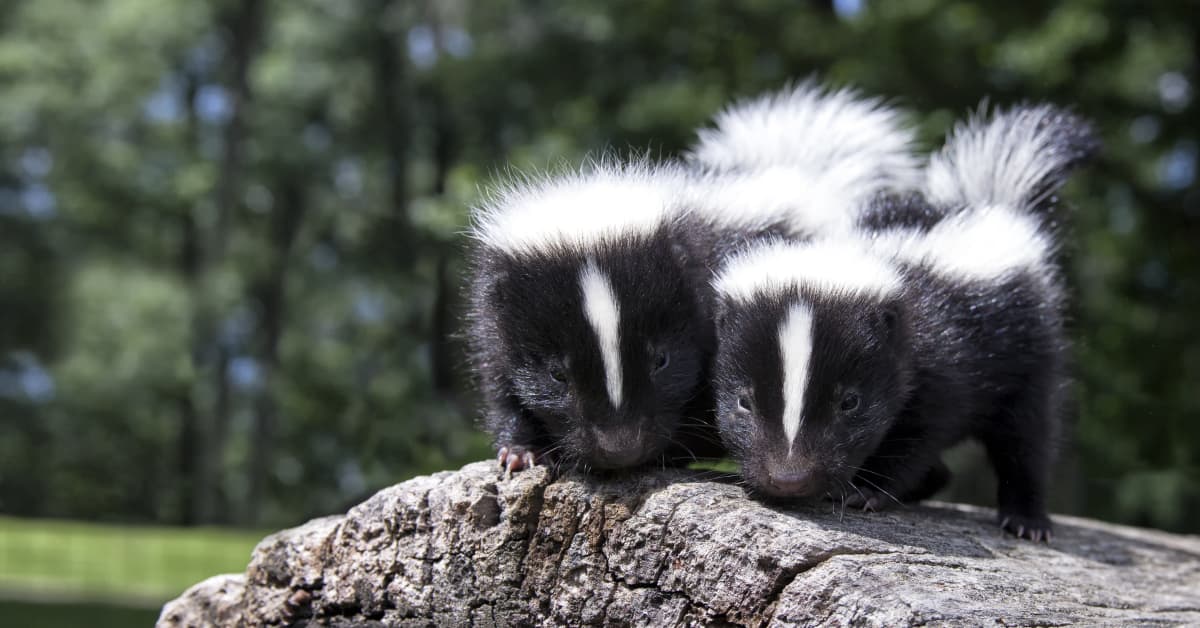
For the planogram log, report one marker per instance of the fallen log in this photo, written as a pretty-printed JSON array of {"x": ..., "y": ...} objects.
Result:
[{"x": 674, "y": 547}]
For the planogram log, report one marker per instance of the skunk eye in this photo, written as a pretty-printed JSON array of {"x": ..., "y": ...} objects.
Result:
[
  {"x": 849, "y": 402},
  {"x": 661, "y": 360},
  {"x": 743, "y": 403},
  {"x": 558, "y": 374}
]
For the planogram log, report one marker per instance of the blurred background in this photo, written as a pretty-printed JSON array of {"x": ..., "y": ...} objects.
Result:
[{"x": 230, "y": 241}]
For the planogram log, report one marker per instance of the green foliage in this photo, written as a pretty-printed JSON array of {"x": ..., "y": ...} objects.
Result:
[{"x": 230, "y": 231}]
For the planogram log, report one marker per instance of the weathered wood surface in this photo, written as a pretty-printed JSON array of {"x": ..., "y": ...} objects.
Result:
[{"x": 668, "y": 548}]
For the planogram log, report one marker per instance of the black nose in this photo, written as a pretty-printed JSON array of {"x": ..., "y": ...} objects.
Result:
[
  {"x": 795, "y": 483},
  {"x": 619, "y": 447}
]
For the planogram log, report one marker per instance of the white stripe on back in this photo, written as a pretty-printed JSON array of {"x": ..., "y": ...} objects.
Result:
[
  {"x": 600, "y": 306},
  {"x": 986, "y": 244},
  {"x": 831, "y": 266},
  {"x": 803, "y": 204},
  {"x": 795, "y": 347}
]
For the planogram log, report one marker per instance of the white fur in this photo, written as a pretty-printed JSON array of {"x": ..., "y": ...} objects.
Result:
[
  {"x": 831, "y": 266},
  {"x": 795, "y": 347},
  {"x": 775, "y": 195},
  {"x": 985, "y": 244},
  {"x": 1003, "y": 160},
  {"x": 602, "y": 203},
  {"x": 604, "y": 314},
  {"x": 859, "y": 144}
]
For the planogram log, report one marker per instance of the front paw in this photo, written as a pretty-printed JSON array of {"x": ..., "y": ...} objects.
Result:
[
  {"x": 1033, "y": 527},
  {"x": 869, "y": 499},
  {"x": 516, "y": 457}
]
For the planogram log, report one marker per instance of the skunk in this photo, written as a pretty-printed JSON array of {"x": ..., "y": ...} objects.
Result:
[
  {"x": 589, "y": 318},
  {"x": 846, "y": 365},
  {"x": 589, "y": 321}
]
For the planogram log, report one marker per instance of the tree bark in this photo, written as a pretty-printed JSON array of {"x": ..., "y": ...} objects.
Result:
[{"x": 670, "y": 548}]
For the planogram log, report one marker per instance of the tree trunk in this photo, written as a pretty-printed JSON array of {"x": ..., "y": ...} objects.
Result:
[
  {"x": 390, "y": 70},
  {"x": 670, "y": 548},
  {"x": 194, "y": 464},
  {"x": 210, "y": 355},
  {"x": 244, "y": 25},
  {"x": 271, "y": 293},
  {"x": 442, "y": 347}
]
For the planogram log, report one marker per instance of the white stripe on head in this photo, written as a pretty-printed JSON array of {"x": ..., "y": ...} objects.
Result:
[
  {"x": 795, "y": 347},
  {"x": 829, "y": 266},
  {"x": 600, "y": 306},
  {"x": 602, "y": 203}
]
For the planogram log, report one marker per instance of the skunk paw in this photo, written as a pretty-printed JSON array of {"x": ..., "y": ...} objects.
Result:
[
  {"x": 1033, "y": 527},
  {"x": 515, "y": 457}
]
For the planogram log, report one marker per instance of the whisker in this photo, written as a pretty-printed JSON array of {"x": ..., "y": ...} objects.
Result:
[
  {"x": 880, "y": 489},
  {"x": 714, "y": 439},
  {"x": 552, "y": 450},
  {"x": 875, "y": 473},
  {"x": 686, "y": 448},
  {"x": 724, "y": 476}
]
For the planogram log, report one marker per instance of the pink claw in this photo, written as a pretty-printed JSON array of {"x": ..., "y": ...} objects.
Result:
[{"x": 515, "y": 458}]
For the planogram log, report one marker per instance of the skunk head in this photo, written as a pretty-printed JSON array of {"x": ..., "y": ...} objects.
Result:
[
  {"x": 597, "y": 313},
  {"x": 812, "y": 364}
]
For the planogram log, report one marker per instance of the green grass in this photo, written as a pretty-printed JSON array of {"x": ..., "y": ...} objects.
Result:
[
  {"x": 129, "y": 565},
  {"x": 72, "y": 615},
  {"x": 723, "y": 466}
]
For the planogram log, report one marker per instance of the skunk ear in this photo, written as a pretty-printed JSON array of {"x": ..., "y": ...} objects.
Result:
[
  {"x": 491, "y": 286},
  {"x": 720, "y": 315},
  {"x": 680, "y": 252},
  {"x": 887, "y": 318}
]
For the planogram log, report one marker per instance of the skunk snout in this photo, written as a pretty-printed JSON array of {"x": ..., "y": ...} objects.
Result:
[
  {"x": 617, "y": 447},
  {"x": 795, "y": 483}
]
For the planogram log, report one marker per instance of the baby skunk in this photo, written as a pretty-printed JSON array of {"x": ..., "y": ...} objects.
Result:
[
  {"x": 589, "y": 322},
  {"x": 846, "y": 366}
]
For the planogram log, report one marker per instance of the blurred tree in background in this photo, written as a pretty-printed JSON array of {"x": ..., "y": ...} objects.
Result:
[{"x": 230, "y": 230}]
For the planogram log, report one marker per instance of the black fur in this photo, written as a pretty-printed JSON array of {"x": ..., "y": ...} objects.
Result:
[
  {"x": 895, "y": 381},
  {"x": 909, "y": 211},
  {"x": 858, "y": 344},
  {"x": 527, "y": 322},
  {"x": 940, "y": 362}
]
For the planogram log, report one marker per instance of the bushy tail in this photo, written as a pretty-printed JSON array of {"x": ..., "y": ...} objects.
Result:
[
  {"x": 859, "y": 143},
  {"x": 1017, "y": 158}
]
